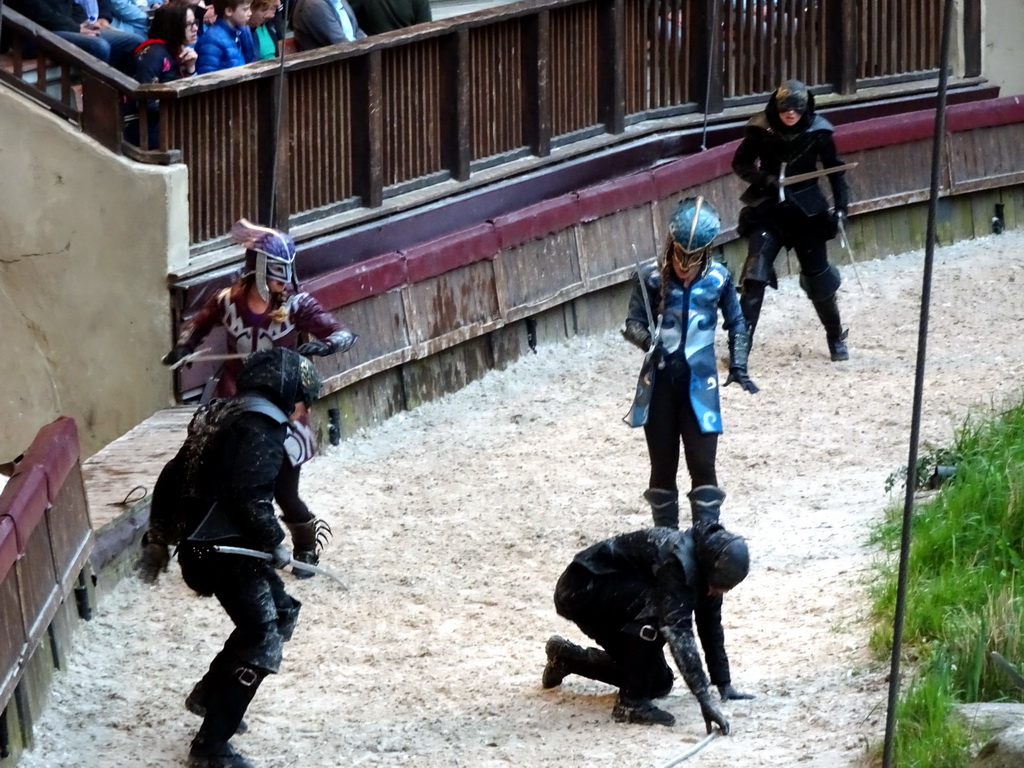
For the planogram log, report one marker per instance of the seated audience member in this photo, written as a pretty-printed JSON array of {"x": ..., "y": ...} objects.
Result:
[
  {"x": 228, "y": 42},
  {"x": 377, "y": 16},
  {"x": 264, "y": 28},
  {"x": 168, "y": 55},
  {"x": 324, "y": 22},
  {"x": 89, "y": 29},
  {"x": 129, "y": 16}
]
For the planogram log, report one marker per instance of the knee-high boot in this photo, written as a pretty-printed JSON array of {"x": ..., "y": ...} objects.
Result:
[
  {"x": 567, "y": 658},
  {"x": 835, "y": 334},
  {"x": 705, "y": 506},
  {"x": 226, "y": 703},
  {"x": 751, "y": 300},
  {"x": 664, "y": 506}
]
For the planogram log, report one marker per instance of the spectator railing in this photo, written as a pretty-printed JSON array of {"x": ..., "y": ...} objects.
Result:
[{"x": 358, "y": 123}]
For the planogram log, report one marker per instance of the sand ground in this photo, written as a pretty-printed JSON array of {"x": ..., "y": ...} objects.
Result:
[{"x": 452, "y": 523}]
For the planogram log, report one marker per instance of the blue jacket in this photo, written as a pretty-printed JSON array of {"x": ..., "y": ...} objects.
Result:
[
  {"x": 688, "y": 322},
  {"x": 223, "y": 46}
]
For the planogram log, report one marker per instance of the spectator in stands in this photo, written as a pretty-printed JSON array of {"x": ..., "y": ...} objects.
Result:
[
  {"x": 228, "y": 42},
  {"x": 129, "y": 16},
  {"x": 324, "y": 22},
  {"x": 377, "y": 16},
  {"x": 264, "y": 29},
  {"x": 89, "y": 29},
  {"x": 168, "y": 54}
]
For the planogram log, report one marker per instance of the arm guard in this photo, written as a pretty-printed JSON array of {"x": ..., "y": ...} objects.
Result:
[
  {"x": 739, "y": 350},
  {"x": 341, "y": 341},
  {"x": 684, "y": 651},
  {"x": 676, "y": 602}
]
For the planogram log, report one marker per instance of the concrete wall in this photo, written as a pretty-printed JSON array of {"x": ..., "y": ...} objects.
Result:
[
  {"x": 1002, "y": 40},
  {"x": 85, "y": 241}
]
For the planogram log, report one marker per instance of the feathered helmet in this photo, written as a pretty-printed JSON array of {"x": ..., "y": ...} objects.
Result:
[
  {"x": 270, "y": 253},
  {"x": 693, "y": 226}
]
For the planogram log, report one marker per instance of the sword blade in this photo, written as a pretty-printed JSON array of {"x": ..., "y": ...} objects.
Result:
[
  {"x": 296, "y": 564},
  {"x": 787, "y": 180},
  {"x": 643, "y": 290},
  {"x": 202, "y": 356}
]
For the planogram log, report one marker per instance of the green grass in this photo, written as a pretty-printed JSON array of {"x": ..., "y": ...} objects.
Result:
[{"x": 963, "y": 590}]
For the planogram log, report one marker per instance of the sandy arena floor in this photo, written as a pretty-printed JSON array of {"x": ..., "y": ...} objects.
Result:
[{"x": 453, "y": 522}]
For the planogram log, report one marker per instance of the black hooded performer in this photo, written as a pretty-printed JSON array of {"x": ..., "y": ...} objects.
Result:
[
  {"x": 219, "y": 490},
  {"x": 788, "y": 139},
  {"x": 633, "y": 594}
]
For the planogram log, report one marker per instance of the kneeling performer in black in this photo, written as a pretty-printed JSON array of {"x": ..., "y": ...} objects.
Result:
[{"x": 633, "y": 594}]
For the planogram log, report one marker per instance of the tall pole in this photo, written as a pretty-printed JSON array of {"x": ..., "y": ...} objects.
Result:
[{"x": 915, "y": 423}]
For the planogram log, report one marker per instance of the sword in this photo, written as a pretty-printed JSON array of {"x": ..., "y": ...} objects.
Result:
[
  {"x": 845, "y": 243},
  {"x": 296, "y": 564},
  {"x": 1011, "y": 670},
  {"x": 785, "y": 181},
  {"x": 638, "y": 409},
  {"x": 203, "y": 355}
]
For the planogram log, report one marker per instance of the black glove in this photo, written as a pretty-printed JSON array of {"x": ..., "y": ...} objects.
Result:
[
  {"x": 739, "y": 374},
  {"x": 728, "y": 693},
  {"x": 636, "y": 333},
  {"x": 316, "y": 348},
  {"x": 712, "y": 714},
  {"x": 152, "y": 562},
  {"x": 179, "y": 352},
  {"x": 282, "y": 556}
]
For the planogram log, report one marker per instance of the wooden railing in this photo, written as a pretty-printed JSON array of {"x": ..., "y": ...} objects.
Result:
[{"x": 361, "y": 122}]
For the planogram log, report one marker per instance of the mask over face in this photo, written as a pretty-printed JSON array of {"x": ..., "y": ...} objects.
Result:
[
  {"x": 723, "y": 557},
  {"x": 270, "y": 255},
  {"x": 792, "y": 95}
]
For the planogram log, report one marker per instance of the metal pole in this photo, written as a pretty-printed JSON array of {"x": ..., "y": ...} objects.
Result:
[{"x": 915, "y": 423}]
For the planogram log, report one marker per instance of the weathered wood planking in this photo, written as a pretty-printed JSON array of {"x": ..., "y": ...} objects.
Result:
[{"x": 134, "y": 459}]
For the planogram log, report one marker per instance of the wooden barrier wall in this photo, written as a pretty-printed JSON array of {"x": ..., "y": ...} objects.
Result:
[
  {"x": 45, "y": 539},
  {"x": 486, "y": 284}
]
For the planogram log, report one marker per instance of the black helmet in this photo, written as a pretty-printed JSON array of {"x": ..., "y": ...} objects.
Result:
[
  {"x": 282, "y": 375},
  {"x": 792, "y": 95},
  {"x": 723, "y": 557}
]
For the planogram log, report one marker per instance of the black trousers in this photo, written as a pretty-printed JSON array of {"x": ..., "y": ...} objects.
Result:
[
  {"x": 671, "y": 420},
  {"x": 286, "y": 494},
  {"x": 602, "y": 606}
]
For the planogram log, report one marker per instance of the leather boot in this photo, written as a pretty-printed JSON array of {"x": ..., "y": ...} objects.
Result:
[
  {"x": 751, "y": 300},
  {"x": 835, "y": 334},
  {"x": 228, "y": 696},
  {"x": 705, "y": 506},
  {"x": 308, "y": 539},
  {"x": 567, "y": 658},
  {"x": 640, "y": 712},
  {"x": 664, "y": 506},
  {"x": 195, "y": 702}
]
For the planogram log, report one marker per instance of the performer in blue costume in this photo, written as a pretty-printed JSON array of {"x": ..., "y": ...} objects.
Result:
[{"x": 687, "y": 290}]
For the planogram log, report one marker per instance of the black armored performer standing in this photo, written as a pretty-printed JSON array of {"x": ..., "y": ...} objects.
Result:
[
  {"x": 785, "y": 140},
  {"x": 636, "y": 592},
  {"x": 219, "y": 490}
]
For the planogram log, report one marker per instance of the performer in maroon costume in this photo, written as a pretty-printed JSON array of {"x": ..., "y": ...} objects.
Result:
[{"x": 260, "y": 311}]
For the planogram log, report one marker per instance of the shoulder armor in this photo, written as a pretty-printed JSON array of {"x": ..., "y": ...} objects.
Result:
[
  {"x": 821, "y": 124},
  {"x": 253, "y": 402},
  {"x": 760, "y": 120}
]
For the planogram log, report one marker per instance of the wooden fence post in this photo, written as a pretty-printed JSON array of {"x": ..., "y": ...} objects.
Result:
[
  {"x": 457, "y": 134},
  {"x": 842, "y": 25},
  {"x": 536, "y": 89},
  {"x": 367, "y": 112},
  {"x": 706, "y": 72},
  {"x": 611, "y": 83},
  {"x": 972, "y": 38}
]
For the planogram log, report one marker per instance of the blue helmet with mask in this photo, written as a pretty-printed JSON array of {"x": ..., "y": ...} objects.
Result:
[{"x": 694, "y": 225}]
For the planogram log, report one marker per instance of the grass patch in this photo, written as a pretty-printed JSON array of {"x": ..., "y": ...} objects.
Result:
[{"x": 963, "y": 590}]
